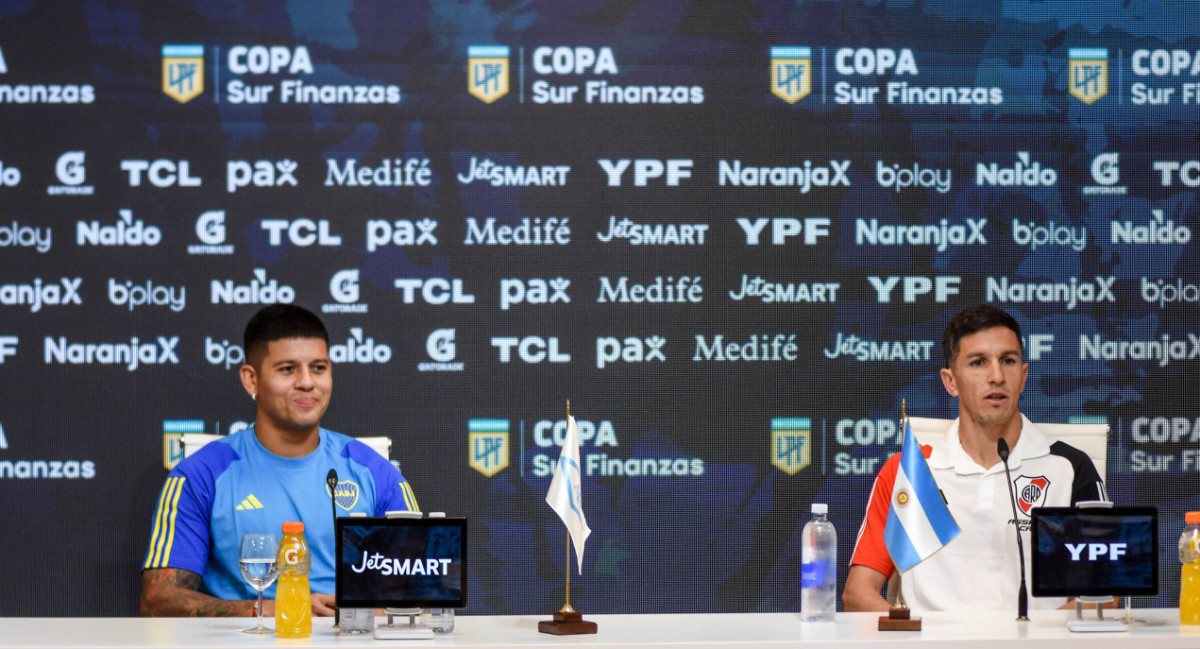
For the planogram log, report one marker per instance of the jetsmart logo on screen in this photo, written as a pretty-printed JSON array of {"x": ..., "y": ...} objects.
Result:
[
  {"x": 344, "y": 288},
  {"x": 361, "y": 350},
  {"x": 656, "y": 234},
  {"x": 43, "y": 469},
  {"x": 502, "y": 175},
  {"x": 939, "y": 235},
  {"x": 864, "y": 350},
  {"x": 125, "y": 232},
  {"x": 395, "y": 566},
  {"x": 1070, "y": 293},
  {"x": 759, "y": 289},
  {"x": 259, "y": 291},
  {"x": 72, "y": 174},
  {"x": 210, "y": 230},
  {"x": 25, "y": 236},
  {"x": 39, "y": 294},
  {"x": 1159, "y": 231},
  {"x": 755, "y": 348},
  {"x": 132, "y": 354}
]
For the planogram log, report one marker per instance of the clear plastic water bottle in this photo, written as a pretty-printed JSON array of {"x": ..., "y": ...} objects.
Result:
[
  {"x": 1189, "y": 579},
  {"x": 438, "y": 620},
  {"x": 818, "y": 569}
]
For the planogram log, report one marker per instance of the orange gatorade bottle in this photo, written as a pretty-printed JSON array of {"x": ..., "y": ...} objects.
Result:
[
  {"x": 1189, "y": 580},
  {"x": 293, "y": 599}
]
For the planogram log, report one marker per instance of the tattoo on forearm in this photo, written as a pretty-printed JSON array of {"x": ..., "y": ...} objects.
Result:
[{"x": 176, "y": 592}]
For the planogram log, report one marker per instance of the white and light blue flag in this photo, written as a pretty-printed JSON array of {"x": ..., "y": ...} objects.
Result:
[
  {"x": 565, "y": 495},
  {"x": 918, "y": 522}
]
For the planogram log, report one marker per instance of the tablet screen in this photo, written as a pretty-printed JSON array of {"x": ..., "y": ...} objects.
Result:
[
  {"x": 1099, "y": 552},
  {"x": 401, "y": 562}
]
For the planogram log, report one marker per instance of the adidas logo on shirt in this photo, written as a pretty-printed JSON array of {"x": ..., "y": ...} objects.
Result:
[{"x": 250, "y": 503}]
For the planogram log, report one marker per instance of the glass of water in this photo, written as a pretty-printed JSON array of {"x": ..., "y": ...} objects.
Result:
[{"x": 256, "y": 557}]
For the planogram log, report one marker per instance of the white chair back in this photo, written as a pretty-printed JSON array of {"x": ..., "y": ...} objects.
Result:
[
  {"x": 193, "y": 442},
  {"x": 1089, "y": 438}
]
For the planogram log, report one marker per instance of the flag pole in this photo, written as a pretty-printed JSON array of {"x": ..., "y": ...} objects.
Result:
[
  {"x": 567, "y": 534},
  {"x": 900, "y": 618},
  {"x": 567, "y": 621}
]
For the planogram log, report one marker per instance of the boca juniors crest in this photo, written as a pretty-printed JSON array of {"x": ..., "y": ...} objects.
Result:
[
  {"x": 345, "y": 494},
  {"x": 791, "y": 73},
  {"x": 487, "y": 441},
  {"x": 791, "y": 444},
  {"x": 487, "y": 72},
  {"x": 1031, "y": 492},
  {"x": 1087, "y": 73},
  {"x": 183, "y": 71}
]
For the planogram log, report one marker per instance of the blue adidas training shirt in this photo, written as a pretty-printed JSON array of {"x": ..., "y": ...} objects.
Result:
[{"x": 235, "y": 486}]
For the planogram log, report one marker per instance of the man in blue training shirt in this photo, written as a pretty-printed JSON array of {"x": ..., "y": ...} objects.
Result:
[{"x": 252, "y": 481}]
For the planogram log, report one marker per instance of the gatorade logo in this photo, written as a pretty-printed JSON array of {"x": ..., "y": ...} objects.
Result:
[{"x": 291, "y": 556}]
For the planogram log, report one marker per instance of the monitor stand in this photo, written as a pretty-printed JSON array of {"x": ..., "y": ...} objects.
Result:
[
  {"x": 410, "y": 631},
  {"x": 1098, "y": 625}
]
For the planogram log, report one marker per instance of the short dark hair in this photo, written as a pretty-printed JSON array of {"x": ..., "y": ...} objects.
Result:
[
  {"x": 971, "y": 320},
  {"x": 277, "y": 322}
]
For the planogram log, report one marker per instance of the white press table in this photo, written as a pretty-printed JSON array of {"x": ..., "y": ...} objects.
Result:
[{"x": 996, "y": 630}]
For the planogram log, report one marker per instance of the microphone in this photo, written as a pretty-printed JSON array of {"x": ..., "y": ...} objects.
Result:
[
  {"x": 331, "y": 480},
  {"x": 1022, "y": 594}
]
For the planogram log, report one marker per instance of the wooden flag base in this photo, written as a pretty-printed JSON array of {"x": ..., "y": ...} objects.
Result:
[
  {"x": 899, "y": 619},
  {"x": 567, "y": 623}
]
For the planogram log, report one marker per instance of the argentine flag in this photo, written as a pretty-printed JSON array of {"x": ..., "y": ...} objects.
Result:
[
  {"x": 565, "y": 495},
  {"x": 918, "y": 522}
]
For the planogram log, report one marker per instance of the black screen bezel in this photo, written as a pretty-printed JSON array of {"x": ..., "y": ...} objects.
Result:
[
  {"x": 339, "y": 572},
  {"x": 1042, "y": 590}
]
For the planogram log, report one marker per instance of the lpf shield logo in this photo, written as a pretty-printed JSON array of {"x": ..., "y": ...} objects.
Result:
[
  {"x": 173, "y": 430},
  {"x": 1031, "y": 492},
  {"x": 487, "y": 442},
  {"x": 791, "y": 73},
  {"x": 183, "y": 71},
  {"x": 345, "y": 494},
  {"x": 1087, "y": 72},
  {"x": 487, "y": 72},
  {"x": 791, "y": 443}
]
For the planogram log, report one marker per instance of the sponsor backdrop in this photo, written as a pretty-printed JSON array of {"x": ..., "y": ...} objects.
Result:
[{"x": 729, "y": 233}]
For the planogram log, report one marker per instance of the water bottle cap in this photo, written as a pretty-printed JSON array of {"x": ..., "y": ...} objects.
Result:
[
  {"x": 1192, "y": 518},
  {"x": 293, "y": 527},
  {"x": 820, "y": 508}
]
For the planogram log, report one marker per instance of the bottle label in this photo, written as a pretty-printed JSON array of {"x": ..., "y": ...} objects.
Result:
[
  {"x": 812, "y": 574},
  {"x": 291, "y": 556}
]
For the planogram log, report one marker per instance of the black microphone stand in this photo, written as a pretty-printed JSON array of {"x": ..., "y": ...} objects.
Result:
[
  {"x": 331, "y": 480},
  {"x": 1022, "y": 594}
]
